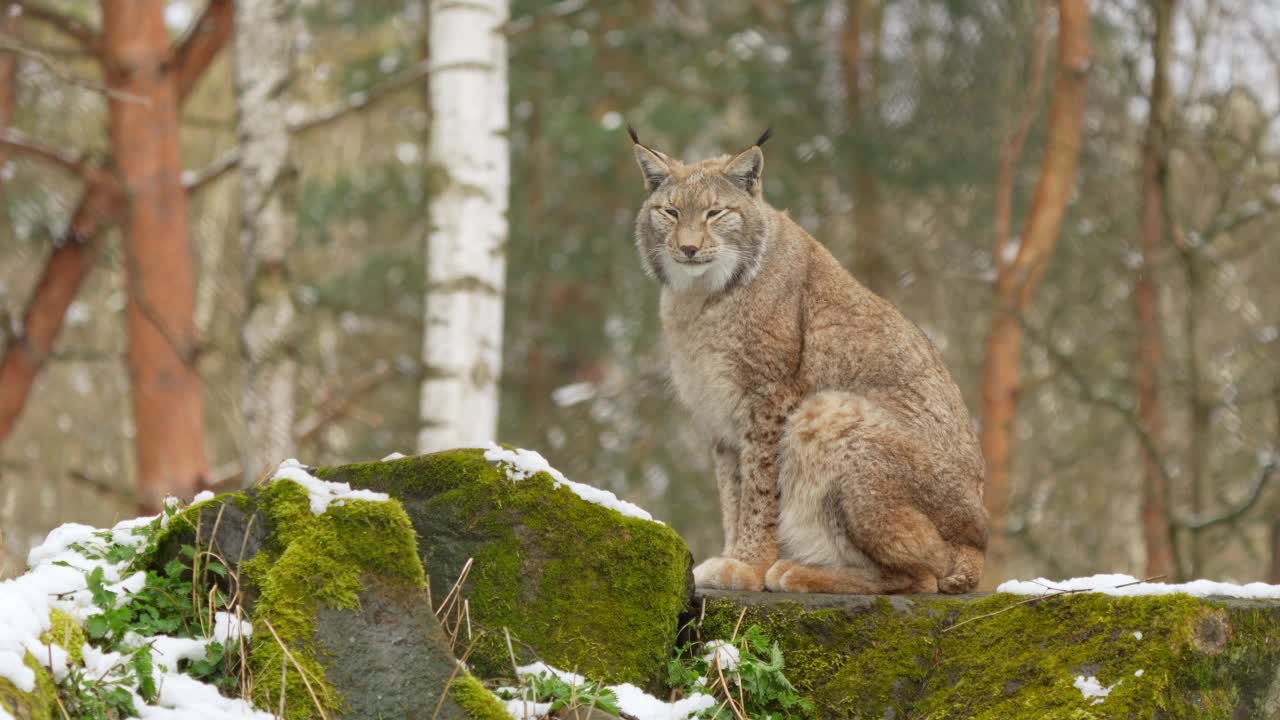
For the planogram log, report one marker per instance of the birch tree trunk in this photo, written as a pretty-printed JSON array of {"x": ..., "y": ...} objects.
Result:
[
  {"x": 466, "y": 244},
  {"x": 1018, "y": 277},
  {"x": 8, "y": 75},
  {"x": 166, "y": 392},
  {"x": 263, "y": 60},
  {"x": 1150, "y": 348}
]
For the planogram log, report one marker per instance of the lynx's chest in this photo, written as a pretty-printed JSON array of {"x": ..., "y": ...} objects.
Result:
[{"x": 706, "y": 371}]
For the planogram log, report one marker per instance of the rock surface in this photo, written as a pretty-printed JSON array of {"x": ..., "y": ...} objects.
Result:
[
  {"x": 590, "y": 589},
  {"x": 1071, "y": 656},
  {"x": 345, "y": 593}
]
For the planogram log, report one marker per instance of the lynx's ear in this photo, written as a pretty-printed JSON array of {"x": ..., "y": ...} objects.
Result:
[
  {"x": 655, "y": 166},
  {"x": 744, "y": 170}
]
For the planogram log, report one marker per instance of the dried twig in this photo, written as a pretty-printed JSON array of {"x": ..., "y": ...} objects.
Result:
[
  {"x": 298, "y": 667},
  {"x": 444, "y": 693},
  {"x": 1046, "y": 596}
]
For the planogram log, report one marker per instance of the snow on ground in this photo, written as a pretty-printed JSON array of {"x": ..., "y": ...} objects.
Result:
[
  {"x": 1091, "y": 688},
  {"x": 322, "y": 492},
  {"x": 57, "y": 580},
  {"x": 722, "y": 651},
  {"x": 1128, "y": 586},
  {"x": 631, "y": 699},
  {"x": 521, "y": 464}
]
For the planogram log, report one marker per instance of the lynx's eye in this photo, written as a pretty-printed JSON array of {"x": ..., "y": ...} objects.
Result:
[
  {"x": 714, "y": 213},
  {"x": 671, "y": 212}
]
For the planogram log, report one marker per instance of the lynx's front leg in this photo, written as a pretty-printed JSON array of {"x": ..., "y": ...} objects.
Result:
[
  {"x": 729, "y": 487},
  {"x": 752, "y": 547}
]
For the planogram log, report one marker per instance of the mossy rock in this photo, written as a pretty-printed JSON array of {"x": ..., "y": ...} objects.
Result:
[
  {"x": 345, "y": 593},
  {"x": 39, "y": 704},
  {"x": 908, "y": 656},
  {"x": 585, "y": 587}
]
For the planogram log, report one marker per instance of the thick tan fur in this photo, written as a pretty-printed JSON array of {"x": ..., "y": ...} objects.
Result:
[{"x": 845, "y": 458}]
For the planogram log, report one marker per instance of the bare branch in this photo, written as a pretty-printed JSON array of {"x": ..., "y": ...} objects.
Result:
[
  {"x": 558, "y": 10},
  {"x": 355, "y": 102},
  {"x": 75, "y": 164},
  {"x": 1088, "y": 394},
  {"x": 201, "y": 44},
  {"x": 340, "y": 406},
  {"x": 330, "y": 410},
  {"x": 84, "y": 34},
  {"x": 1200, "y": 523},
  {"x": 10, "y": 44}
]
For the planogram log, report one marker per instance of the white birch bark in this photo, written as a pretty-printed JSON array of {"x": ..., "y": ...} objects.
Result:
[
  {"x": 263, "y": 58},
  {"x": 466, "y": 244}
]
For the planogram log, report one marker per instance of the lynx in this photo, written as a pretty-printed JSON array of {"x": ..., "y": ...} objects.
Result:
[{"x": 844, "y": 456}]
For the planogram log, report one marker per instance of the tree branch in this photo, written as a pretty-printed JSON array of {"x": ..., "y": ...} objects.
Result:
[
  {"x": 330, "y": 410},
  {"x": 1233, "y": 514},
  {"x": 1086, "y": 393},
  {"x": 10, "y": 44},
  {"x": 355, "y": 102},
  {"x": 88, "y": 37},
  {"x": 557, "y": 10},
  {"x": 200, "y": 45},
  {"x": 73, "y": 164}
]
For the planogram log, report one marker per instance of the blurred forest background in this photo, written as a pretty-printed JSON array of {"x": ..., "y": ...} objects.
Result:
[{"x": 910, "y": 136}]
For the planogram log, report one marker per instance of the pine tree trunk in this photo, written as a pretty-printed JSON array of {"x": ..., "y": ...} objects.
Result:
[
  {"x": 1150, "y": 349},
  {"x": 263, "y": 45},
  {"x": 168, "y": 408},
  {"x": 863, "y": 98},
  {"x": 1019, "y": 277},
  {"x": 466, "y": 245},
  {"x": 73, "y": 255}
]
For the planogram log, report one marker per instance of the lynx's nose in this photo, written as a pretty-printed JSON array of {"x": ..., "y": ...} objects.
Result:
[{"x": 689, "y": 250}]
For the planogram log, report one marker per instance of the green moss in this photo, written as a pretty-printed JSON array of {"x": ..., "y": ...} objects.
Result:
[
  {"x": 39, "y": 704},
  {"x": 475, "y": 700},
  {"x": 66, "y": 633},
  {"x": 911, "y": 659},
  {"x": 313, "y": 561},
  {"x": 590, "y": 589}
]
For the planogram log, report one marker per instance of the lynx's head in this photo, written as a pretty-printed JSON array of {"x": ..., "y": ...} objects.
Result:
[{"x": 704, "y": 224}]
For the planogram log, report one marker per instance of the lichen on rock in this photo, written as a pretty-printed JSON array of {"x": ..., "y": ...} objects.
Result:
[{"x": 588, "y": 588}]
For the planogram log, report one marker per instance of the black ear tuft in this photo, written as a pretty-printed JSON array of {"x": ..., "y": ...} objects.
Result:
[
  {"x": 764, "y": 138},
  {"x": 632, "y": 132}
]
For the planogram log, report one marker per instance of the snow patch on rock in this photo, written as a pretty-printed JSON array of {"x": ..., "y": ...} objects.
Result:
[
  {"x": 1092, "y": 689},
  {"x": 1129, "y": 586},
  {"x": 56, "y": 580},
  {"x": 322, "y": 493},
  {"x": 521, "y": 464}
]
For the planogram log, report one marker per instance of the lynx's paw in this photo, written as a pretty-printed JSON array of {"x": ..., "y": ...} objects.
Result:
[
  {"x": 721, "y": 573},
  {"x": 773, "y": 578}
]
